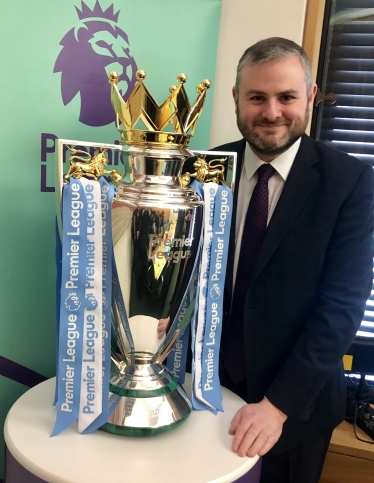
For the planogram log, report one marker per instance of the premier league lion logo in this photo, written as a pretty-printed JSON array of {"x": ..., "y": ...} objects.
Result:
[
  {"x": 95, "y": 47},
  {"x": 72, "y": 302},
  {"x": 105, "y": 302},
  {"x": 91, "y": 302},
  {"x": 215, "y": 292}
]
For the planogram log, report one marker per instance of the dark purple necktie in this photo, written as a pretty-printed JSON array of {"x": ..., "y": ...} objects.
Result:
[{"x": 253, "y": 235}]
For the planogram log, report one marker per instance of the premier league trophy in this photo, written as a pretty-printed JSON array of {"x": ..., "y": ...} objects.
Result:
[
  {"x": 156, "y": 235},
  {"x": 123, "y": 309}
]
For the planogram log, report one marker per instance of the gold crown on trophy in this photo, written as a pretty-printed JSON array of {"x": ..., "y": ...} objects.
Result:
[{"x": 146, "y": 123}]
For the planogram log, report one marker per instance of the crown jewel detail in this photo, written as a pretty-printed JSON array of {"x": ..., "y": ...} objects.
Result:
[
  {"x": 97, "y": 11},
  {"x": 169, "y": 125}
]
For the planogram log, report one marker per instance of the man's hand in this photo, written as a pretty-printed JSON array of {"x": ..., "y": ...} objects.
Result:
[{"x": 257, "y": 427}]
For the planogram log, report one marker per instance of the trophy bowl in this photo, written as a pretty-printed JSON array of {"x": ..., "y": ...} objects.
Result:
[{"x": 156, "y": 228}]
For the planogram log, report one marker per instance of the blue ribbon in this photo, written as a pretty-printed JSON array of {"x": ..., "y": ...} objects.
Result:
[
  {"x": 196, "y": 403},
  {"x": 208, "y": 395},
  {"x": 107, "y": 194},
  {"x": 58, "y": 259},
  {"x": 213, "y": 329},
  {"x": 73, "y": 280}
]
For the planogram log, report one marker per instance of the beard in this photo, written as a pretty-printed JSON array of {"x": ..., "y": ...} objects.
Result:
[{"x": 269, "y": 145}]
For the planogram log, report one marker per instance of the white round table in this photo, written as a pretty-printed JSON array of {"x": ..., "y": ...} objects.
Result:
[{"x": 199, "y": 451}]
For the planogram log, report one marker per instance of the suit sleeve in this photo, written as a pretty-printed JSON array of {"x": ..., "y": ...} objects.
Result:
[{"x": 344, "y": 287}]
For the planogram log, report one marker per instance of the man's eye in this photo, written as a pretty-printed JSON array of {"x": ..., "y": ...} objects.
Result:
[
  {"x": 256, "y": 98},
  {"x": 287, "y": 98}
]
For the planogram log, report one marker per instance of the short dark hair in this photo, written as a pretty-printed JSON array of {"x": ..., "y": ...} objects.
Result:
[{"x": 272, "y": 49}]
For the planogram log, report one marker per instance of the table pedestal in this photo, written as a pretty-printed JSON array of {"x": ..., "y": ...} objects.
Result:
[{"x": 15, "y": 473}]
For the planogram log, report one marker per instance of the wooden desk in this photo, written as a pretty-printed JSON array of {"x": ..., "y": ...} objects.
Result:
[{"x": 348, "y": 460}]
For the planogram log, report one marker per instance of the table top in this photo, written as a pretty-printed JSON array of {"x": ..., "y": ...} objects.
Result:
[
  {"x": 198, "y": 451},
  {"x": 344, "y": 441}
]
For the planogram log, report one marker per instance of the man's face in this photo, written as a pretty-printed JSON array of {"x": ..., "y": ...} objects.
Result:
[{"x": 272, "y": 105}]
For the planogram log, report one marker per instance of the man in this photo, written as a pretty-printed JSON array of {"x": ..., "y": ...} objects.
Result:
[{"x": 305, "y": 292}]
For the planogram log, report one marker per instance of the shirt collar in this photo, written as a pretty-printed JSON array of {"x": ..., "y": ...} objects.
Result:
[{"x": 282, "y": 163}]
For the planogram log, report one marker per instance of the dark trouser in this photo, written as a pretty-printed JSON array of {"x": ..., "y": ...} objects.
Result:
[{"x": 301, "y": 465}]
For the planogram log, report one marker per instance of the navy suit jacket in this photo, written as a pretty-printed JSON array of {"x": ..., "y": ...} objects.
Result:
[{"x": 310, "y": 283}]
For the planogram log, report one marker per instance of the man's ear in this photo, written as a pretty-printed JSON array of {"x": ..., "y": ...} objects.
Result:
[
  {"x": 235, "y": 96},
  {"x": 234, "y": 93},
  {"x": 312, "y": 95}
]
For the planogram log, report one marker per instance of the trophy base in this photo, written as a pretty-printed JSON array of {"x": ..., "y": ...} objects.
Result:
[{"x": 151, "y": 399}]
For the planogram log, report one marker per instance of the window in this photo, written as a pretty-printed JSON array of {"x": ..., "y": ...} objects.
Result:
[{"x": 346, "y": 69}]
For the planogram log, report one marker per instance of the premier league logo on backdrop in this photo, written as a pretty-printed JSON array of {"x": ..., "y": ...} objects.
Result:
[{"x": 90, "y": 51}]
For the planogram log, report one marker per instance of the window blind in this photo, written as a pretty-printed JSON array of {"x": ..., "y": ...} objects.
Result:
[{"x": 348, "y": 72}]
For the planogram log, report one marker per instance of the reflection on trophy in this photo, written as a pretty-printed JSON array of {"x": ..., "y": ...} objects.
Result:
[{"x": 157, "y": 223}]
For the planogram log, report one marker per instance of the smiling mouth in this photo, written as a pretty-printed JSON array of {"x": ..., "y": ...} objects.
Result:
[{"x": 271, "y": 126}]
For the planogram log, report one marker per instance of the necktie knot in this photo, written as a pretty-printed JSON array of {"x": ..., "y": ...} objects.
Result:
[{"x": 265, "y": 172}]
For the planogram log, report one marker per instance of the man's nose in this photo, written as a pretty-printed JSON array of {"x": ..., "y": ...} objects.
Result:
[{"x": 272, "y": 110}]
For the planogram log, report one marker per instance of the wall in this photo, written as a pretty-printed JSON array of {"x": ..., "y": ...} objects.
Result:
[
  {"x": 53, "y": 55},
  {"x": 175, "y": 39}
]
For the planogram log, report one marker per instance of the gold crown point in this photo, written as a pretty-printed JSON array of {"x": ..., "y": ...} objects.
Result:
[
  {"x": 205, "y": 84},
  {"x": 169, "y": 125},
  {"x": 140, "y": 74},
  {"x": 113, "y": 77},
  {"x": 182, "y": 78}
]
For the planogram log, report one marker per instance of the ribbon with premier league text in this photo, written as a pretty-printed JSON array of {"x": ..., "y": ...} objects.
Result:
[
  {"x": 106, "y": 197},
  {"x": 85, "y": 314},
  {"x": 207, "y": 321},
  {"x": 73, "y": 280}
]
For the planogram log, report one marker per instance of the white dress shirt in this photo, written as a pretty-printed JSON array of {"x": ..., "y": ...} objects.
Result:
[{"x": 248, "y": 179}]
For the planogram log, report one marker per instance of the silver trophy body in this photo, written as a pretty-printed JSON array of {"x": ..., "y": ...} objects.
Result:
[{"x": 156, "y": 235}]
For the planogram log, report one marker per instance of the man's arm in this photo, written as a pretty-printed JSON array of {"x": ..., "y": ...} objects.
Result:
[{"x": 344, "y": 288}]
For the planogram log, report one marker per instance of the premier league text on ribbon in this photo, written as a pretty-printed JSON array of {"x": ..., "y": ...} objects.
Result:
[
  {"x": 104, "y": 216},
  {"x": 72, "y": 336},
  {"x": 72, "y": 283},
  {"x": 91, "y": 378},
  {"x": 84, "y": 342},
  {"x": 216, "y": 276},
  {"x": 98, "y": 410},
  {"x": 218, "y": 203},
  {"x": 72, "y": 306},
  {"x": 76, "y": 207}
]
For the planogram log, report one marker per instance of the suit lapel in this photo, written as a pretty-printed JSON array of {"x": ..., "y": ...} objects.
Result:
[{"x": 300, "y": 182}]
